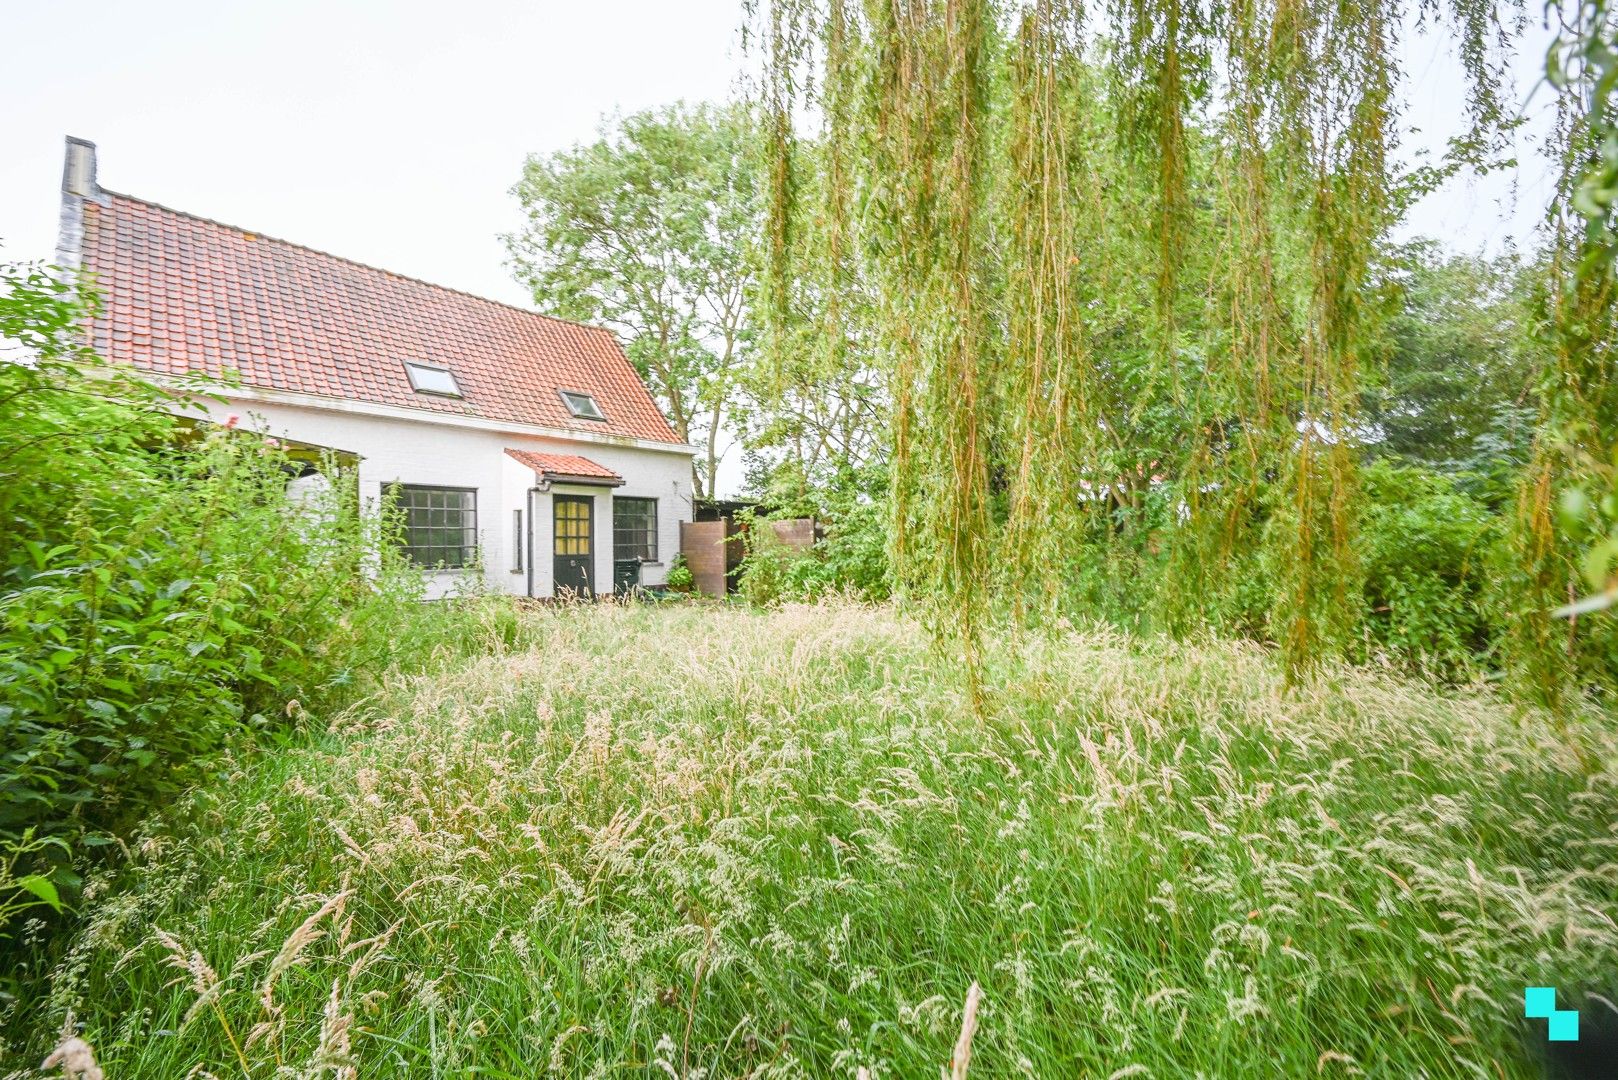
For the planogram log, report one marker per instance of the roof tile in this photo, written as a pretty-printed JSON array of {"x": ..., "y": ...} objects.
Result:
[
  {"x": 558, "y": 466},
  {"x": 291, "y": 318}
]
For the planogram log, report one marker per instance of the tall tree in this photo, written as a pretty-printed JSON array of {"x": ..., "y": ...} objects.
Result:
[
  {"x": 814, "y": 408},
  {"x": 645, "y": 231},
  {"x": 1463, "y": 350},
  {"x": 1126, "y": 277}
]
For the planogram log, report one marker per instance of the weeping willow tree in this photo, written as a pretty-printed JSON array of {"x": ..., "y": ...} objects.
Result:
[
  {"x": 1047, "y": 363},
  {"x": 1124, "y": 275},
  {"x": 1556, "y": 641}
]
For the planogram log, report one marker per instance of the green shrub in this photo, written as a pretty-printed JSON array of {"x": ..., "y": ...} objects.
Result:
[
  {"x": 764, "y": 576},
  {"x": 850, "y": 559},
  {"x": 1426, "y": 547},
  {"x": 852, "y": 556},
  {"x": 680, "y": 578},
  {"x": 160, "y": 596},
  {"x": 148, "y": 618}
]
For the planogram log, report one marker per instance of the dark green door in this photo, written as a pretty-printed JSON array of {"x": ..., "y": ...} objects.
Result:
[{"x": 574, "y": 543}]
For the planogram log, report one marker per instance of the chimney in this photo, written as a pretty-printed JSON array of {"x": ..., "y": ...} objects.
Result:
[
  {"x": 78, "y": 184},
  {"x": 79, "y": 171}
]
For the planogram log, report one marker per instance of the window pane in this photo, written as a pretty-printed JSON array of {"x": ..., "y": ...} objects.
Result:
[
  {"x": 439, "y": 524},
  {"x": 571, "y": 528},
  {"x": 429, "y": 380},
  {"x": 634, "y": 528},
  {"x": 582, "y": 405}
]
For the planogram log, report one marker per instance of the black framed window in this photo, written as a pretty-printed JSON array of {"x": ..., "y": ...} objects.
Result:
[
  {"x": 439, "y": 524},
  {"x": 634, "y": 528}
]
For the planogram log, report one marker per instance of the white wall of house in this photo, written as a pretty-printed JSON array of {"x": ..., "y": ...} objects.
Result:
[{"x": 398, "y": 449}]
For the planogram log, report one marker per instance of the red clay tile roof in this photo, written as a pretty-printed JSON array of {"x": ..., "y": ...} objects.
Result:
[
  {"x": 563, "y": 466},
  {"x": 184, "y": 294}
]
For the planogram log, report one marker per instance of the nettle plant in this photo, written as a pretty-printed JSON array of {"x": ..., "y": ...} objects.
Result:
[{"x": 159, "y": 594}]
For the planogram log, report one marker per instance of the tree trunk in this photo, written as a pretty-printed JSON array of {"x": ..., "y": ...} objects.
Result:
[{"x": 713, "y": 451}]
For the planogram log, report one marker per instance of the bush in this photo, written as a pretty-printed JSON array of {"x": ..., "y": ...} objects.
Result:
[
  {"x": 850, "y": 558},
  {"x": 1426, "y": 548},
  {"x": 764, "y": 577},
  {"x": 160, "y": 595},
  {"x": 680, "y": 578}
]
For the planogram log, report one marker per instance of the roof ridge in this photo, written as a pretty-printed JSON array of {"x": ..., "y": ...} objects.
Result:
[{"x": 355, "y": 262}]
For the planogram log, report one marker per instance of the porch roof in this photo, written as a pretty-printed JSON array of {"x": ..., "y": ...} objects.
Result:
[{"x": 566, "y": 468}]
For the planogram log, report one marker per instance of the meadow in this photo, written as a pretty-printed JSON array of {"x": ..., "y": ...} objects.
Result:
[{"x": 708, "y": 841}]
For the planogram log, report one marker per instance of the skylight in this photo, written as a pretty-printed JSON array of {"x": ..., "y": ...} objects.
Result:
[
  {"x": 581, "y": 405},
  {"x": 427, "y": 379}
]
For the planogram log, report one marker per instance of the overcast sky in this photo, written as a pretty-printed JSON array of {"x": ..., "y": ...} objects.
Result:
[
  {"x": 388, "y": 132},
  {"x": 391, "y": 132}
]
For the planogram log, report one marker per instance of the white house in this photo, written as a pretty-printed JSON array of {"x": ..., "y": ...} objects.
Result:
[{"x": 520, "y": 440}]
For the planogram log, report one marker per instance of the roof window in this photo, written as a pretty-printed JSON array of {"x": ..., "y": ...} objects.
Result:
[
  {"x": 581, "y": 405},
  {"x": 428, "y": 379}
]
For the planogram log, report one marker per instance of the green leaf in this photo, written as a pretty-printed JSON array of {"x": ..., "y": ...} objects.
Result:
[
  {"x": 1573, "y": 507},
  {"x": 42, "y": 888}
]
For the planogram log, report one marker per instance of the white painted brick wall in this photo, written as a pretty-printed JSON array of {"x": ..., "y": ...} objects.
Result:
[{"x": 422, "y": 452}]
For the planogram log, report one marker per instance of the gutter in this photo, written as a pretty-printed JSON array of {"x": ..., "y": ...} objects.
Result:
[
  {"x": 427, "y": 416},
  {"x": 581, "y": 481}
]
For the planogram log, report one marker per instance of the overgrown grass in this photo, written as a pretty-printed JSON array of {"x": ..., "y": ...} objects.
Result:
[{"x": 706, "y": 841}]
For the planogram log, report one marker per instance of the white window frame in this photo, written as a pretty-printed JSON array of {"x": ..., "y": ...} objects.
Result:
[
  {"x": 412, "y": 367},
  {"x": 593, "y": 413}
]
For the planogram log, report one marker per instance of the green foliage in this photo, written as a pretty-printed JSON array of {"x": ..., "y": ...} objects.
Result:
[
  {"x": 1464, "y": 348},
  {"x": 1583, "y": 65},
  {"x": 21, "y": 891},
  {"x": 766, "y": 567},
  {"x": 1589, "y": 518},
  {"x": 1430, "y": 552},
  {"x": 779, "y": 844},
  {"x": 161, "y": 596},
  {"x": 680, "y": 578},
  {"x": 813, "y": 401},
  {"x": 1125, "y": 273},
  {"x": 1552, "y": 651},
  {"x": 1583, "y": 414},
  {"x": 647, "y": 231},
  {"x": 1138, "y": 335},
  {"x": 850, "y": 555}
]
